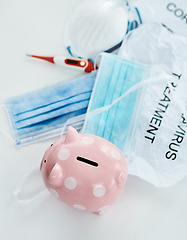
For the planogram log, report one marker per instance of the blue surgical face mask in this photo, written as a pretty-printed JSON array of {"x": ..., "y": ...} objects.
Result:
[
  {"x": 116, "y": 99},
  {"x": 42, "y": 113}
]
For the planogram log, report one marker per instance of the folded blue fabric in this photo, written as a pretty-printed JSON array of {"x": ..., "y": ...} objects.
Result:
[
  {"x": 33, "y": 115},
  {"x": 115, "y": 77}
]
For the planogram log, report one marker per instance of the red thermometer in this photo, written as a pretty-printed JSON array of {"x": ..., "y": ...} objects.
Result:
[{"x": 76, "y": 63}]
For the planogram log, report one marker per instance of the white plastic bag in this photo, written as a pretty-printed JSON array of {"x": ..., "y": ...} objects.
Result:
[
  {"x": 171, "y": 14},
  {"x": 160, "y": 148}
]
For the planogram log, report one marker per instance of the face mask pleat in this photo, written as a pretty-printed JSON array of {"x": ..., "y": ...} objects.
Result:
[
  {"x": 118, "y": 76},
  {"x": 52, "y": 107},
  {"x": 52, "y": 114},
  {"x": 126, "y": 108},
  {"x": 49, "y": 95},
  {"x": 45, "y": 129},
  {"x": 110, "y": 90},
  {"x": 113, "y": 111},
  {"x": 42, "y": 114},
  {"x": 98, "y": 101}
]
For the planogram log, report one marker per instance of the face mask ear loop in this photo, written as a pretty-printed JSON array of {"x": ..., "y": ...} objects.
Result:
[
  {"x": 19, "y": 189},
  {"x": 97, "y": 60},
  {"x": 132, "y": 89},
  {"x": 78, "y": 120},
  {"x": 8, "y": 136},
  {"x": 82, "y": 118}
]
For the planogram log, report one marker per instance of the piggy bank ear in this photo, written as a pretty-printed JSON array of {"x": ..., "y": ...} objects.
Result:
[
  {"x": 72, "y": 135},
  {"x": 56, "y": 175}
]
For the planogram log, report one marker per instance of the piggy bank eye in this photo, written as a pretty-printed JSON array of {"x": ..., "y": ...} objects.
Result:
[
  {"x": 51, "y": 144},
  {"x": 45, "y": 161},
  {"x": 87, "y": 161}
]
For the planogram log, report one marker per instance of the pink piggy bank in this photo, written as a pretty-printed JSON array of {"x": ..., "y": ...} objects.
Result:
[{"x": 84, "y": 171}]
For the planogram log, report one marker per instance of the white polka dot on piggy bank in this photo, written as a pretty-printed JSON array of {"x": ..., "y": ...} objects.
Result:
[{"x": 85, "y": 171}]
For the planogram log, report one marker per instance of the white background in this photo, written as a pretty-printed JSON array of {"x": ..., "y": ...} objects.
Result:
[{"x": 143, "y": 212}]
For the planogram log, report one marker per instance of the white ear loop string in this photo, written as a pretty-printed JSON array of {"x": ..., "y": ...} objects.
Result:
[
  {"x": 18, "y": 189},
  {"x": 82, "y": 118},
  {"x": 20, "y": 185},
  {"x": 8, "y": 136},
  {"x": 74, "y": 122},
  {"x": 132, "y": 89},
  {"x": 42, "y": 192}
]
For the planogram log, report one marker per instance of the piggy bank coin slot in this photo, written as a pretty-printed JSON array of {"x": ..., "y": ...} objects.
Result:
[{"x": 87, "y": 161}]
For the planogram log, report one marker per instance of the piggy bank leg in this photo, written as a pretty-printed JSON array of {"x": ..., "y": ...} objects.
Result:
[
  {"x": 102, "y": 210},
  {"x": 99, "y": 212}
]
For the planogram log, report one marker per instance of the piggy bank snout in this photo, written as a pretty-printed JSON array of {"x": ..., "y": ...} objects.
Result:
[{"x": 55, "y": 176}]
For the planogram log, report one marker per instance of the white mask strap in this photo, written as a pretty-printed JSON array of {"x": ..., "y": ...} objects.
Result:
[
  {"x": 79, "y": 120},
  {"x": 22, "y": 191},
  {"x": 76, "y": 122},
  {"x": 158, "y": 78}
]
